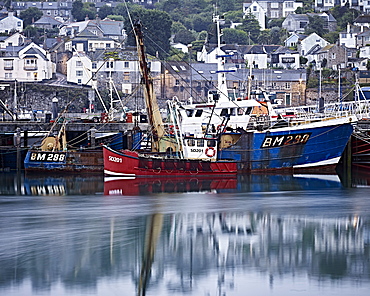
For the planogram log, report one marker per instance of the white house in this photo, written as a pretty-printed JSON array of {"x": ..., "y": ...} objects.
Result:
[
  {"x": 348, "y": 37},
  {"x": 11, "y": 23},
  {"x": 16, "y": 39},
  {"x": 87, "y": 41},
  {"x": 294, "y": 39},
  {"x": 184, "y": 48},
  {"x": 209, "y": 55},
  {"x": 311, "y": 43},
  {"x": 285, "y": 58},
  {"x": 256, "y": 57},
  {"x": 101, "y": 28},
  {"x": 95, "y": 69},
  {"x": 26, "y": 63},
  {"x": 257, "y": 11}
]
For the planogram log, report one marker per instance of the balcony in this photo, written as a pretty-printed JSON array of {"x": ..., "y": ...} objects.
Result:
[{"x": 30, "y": 67}]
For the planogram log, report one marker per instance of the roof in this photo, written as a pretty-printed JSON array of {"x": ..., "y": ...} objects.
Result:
[
  {"x": 47, "y": 20},
  {"x": 35, "y": 51},
  {"x": 363, "y": 34},
  {"x": 207, "y": 71},
  {"x": 284, "y": 50},
  {"x": 298, "y": 17},
  {"x": 362, "y": 19},
  {"x": 325, "y": 48}
]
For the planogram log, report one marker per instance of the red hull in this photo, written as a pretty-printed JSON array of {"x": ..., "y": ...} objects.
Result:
[
  {"x": 130, "y": 164},
  {"x": 139, "y": 186}
]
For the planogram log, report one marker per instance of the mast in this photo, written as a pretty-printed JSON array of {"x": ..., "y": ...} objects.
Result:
[
  {"x": 154, "y": 116},
  {"x": 221, "y": 73}
]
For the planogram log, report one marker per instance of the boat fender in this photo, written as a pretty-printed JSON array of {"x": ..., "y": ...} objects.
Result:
[{"x": 210, "y": 151}]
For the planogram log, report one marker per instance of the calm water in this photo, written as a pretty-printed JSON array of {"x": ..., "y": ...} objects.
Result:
[{"x": 254, "y": 235}]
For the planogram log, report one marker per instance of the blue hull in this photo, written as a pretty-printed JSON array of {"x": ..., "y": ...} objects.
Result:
[
  {"x": 301, "y": 149},
  {"x": 71, "y": 161}
]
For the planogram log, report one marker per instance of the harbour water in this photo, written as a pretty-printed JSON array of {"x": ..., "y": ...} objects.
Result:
[{"x": 254, "y": 235}]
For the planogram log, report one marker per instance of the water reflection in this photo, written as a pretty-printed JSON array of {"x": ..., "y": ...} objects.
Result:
[
  {"x": 265, "y": 234},
  {"x": 161, "y": 254},
  {"x": 52, "y": 185}
]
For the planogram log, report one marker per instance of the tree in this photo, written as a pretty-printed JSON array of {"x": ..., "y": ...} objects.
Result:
[
  {"x": 275, "y": 22},
  {"x": 156, "y": 29},
  {"x": 177, "y": 27},
  {"x": 235, "y": 36},
  {"x": 104, "y": 11},
  {"x": 251, "y": 26},
  {"x": 184, "y": 37},
  {"x": 331, "y": 37},
  {"x": 30, "y": 15},
  {"x": 82, "y": 10},
  {"x": 77, "y": 7},
  {"x": 344, "y": 15},
  {"x": 316, "y": 25}
]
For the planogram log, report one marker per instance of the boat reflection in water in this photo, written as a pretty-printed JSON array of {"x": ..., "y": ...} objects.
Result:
[
  {"x": 243, "y": 183},
  {"x": 218, "y": 253},
  {"x": 142, "y": 186},
  {"x": 51, "y": 184}
]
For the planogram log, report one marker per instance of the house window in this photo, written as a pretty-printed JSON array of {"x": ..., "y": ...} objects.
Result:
[
  {"x": 287, "y": 85},
  {"x": 78, "y": 64},
  {"x": 126, "y": 76},
  {"x": 79, "y": 81},
  {"x": 109, "y": 64},
  {"x": 287, "y": 100},
  {"x": 275, "y": 14},
  {"x": 93, "y": 65},
  {"x": 107, "y": 45},
  {"x": 274, "y": 5},
  {"x": 254, "y": 8},
  {"x": 8, "y": 64},
  {"x": 8, "y": 75},
  {"x": 333, "y": 56},
  {"x": 48, "y": 12},
  {"x": 78, "y": 73},
  {"x": 289, "y": 4},
  {"x": 19, "y": 24},
  {"x": 55, "y": 12},
  {"x": 177, "y": 82},
  {"x": 126, "y": 64}
]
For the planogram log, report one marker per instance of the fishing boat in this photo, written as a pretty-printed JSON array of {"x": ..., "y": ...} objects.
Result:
[
  {"x": 171, "y": 153},
  {"x": 252, "y": 133},
  {"x": 54, "y": 156}
]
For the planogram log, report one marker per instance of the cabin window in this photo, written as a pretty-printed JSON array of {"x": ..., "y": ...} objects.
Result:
[
  {"x": 211, "y": 143},
  {"x": 240, "y": 111},
  {"x": 249, "y": 111},
  {"x": 200, "y": 143},
  {"x": 224, "y": 112},
  {"x": 198, "y": 113},
  {"x": 189, "y": 112},
  {"x": 191, "y": 142},
  {"x": 232, "y": 111}
]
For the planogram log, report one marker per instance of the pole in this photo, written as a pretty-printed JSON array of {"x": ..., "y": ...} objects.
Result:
[{"x": 339, "y": 82}]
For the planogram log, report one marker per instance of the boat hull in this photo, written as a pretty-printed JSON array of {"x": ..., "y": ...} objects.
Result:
[
  {"x": 70, "y": 161},
  {"x": 130, "y": 164},
  {"x": 306, "y": 149},
  {"x": 145, "y": 185}
]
